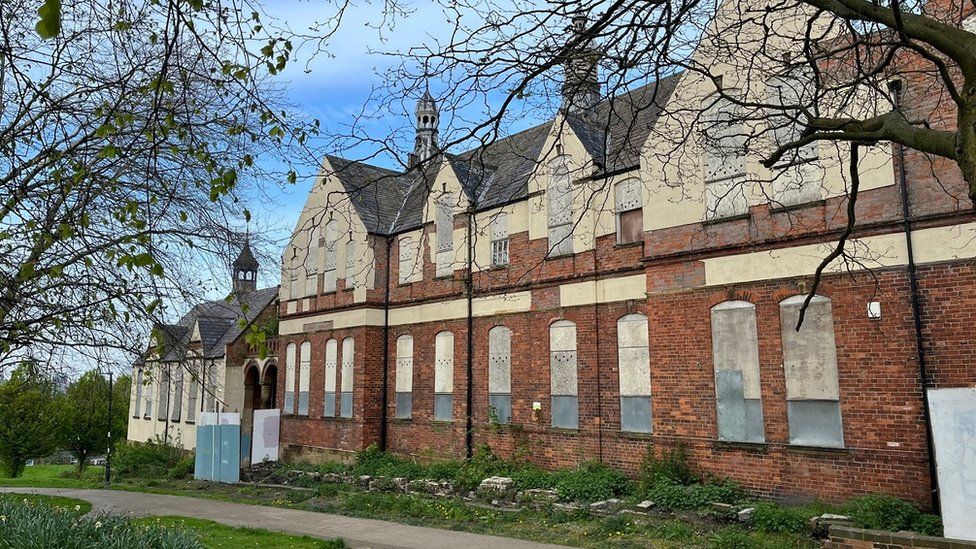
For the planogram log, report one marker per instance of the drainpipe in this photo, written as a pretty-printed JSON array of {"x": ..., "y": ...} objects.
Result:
[
  {"x": 896, "y": 89},
  {"x": 468, "y": 419},
  {"x": 386, "y": 348}
]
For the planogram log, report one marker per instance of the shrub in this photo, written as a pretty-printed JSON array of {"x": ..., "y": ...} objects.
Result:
[
  {"x": 183, "y": 468},
  {"x": 374, "y": 462},
  {"x": 529, "y": 477},
  {"x": 669, "y": 495},
  {"x": 672, "y": 467},
  {"x": 776, "y": 519},
  {"x": 153, "y": 459},
  {"x": 38, "y": 525},
  {"x": 883, "y": 512},
  {"x": 592, "y": 481}
]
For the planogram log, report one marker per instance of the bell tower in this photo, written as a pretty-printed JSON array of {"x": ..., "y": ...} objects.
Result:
[
  {"x": 426, "y": 119},
  {"x": 245, "y": 270}
]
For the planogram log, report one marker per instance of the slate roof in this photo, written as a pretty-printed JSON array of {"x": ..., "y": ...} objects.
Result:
[
  {"x": 497, "y": 173},
  {"x": 219, "y": 323}
]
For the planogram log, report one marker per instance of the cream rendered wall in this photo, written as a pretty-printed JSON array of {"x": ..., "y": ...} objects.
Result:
[
  {"x": 446, "y": 181},
  {"x": 671, "y": 163},
  {"x": 327, "y": 200}
]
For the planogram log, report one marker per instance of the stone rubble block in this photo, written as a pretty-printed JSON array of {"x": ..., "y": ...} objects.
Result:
[
  {"x": 745, "y": 514},
  {"x": 645, "y": 506}
]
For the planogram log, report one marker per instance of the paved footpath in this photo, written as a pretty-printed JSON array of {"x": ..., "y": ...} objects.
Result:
[{"x": 357, "y": 532}]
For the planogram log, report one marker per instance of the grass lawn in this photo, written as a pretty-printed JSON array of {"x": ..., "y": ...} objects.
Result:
[
  {"x": 76, "y": 505},
  {"x": 212, "y": 535},
  {"x": 49, "y": 476}
]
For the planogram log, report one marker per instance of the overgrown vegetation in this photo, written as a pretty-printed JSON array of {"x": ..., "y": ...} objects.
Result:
[
  {"x": 883, "y": 512},
  {"x": 152, "y": 459},
  {"x": 212, "y": 535},
  {"x": 33, "y": 523}
]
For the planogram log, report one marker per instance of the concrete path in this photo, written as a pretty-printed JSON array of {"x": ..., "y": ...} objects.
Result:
[{"x": 357, "y": 532}]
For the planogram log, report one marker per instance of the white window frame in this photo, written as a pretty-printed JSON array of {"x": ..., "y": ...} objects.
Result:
[
  {"x": 348, "y": 378},
  {"x": 626, "y": 198},
  {"x": 404, "y": 377},
  {"x": 331, "y": 366},
  {"x": 444, "y": 376},
  {"x": 499, "y": 240},
  {"x": 291, "y": 356},
  {"x": 304, "y": 373},
  {"x": 634, "y": 371}
]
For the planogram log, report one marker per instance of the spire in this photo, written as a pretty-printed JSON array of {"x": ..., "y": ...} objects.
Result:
[
  {"x": 581, "y": 80},
  {"x": 245, "y": 270},
  {"x": 426, "y": 118}
]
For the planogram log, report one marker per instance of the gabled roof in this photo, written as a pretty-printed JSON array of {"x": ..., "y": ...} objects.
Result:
[
  {"x": 219, "y": 322},
  {"x": 496, "y": 173}
]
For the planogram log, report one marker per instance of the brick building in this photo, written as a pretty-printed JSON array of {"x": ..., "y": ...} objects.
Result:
[{"x": 612, "y": 312}]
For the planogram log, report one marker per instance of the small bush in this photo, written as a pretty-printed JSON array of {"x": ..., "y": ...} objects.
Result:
[
  {"x": 883, "y": 512},
  {"x": 669, "y": 495},
  {"x": 672, "y": 467},
  {"x": 183, "y": 468},
  {"x": 776, "y": 519},
  {"x": 530, "y": 477},
  {"x": 592, "y": 481},
  {"x": 152, "y": 459},
  {"x": 374, "y": 462}
]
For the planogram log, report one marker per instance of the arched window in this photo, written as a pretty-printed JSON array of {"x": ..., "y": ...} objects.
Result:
[
  {"x": 193, "y": 393},
  {"x": 290, "y": 356},
  {"x": 348, "y": 376},
  {"x": 177, "y": 413},
  {"x": 634, "y": 367},
  {"x": 331, "y": 244},
  {"x": 404, "y": 377},
  {"x": 629, "y": 208},
  {"x": 735, "y": 354},
  {"x": 560, "y": 210},
  {"x": 304, "y": 366},
  {"x": 562, "y": 375},
  {"x": 150, "y": 382},
  {"x": 810, "y": 366},
  {"x": 351, "y": 260},
  {"x": 443, "y": 376},
  {"x": 162, "y": 411},
  {"x": 331, "y": 361},
  {"x": 500, "y": 373},
  {"x": 444, "y": 234}
]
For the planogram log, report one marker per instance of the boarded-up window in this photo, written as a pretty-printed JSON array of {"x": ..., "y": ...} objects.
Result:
[
  {"x": 311, "y": 270},
  {"x": 724, "y": 157},
  {"x": 290, "y": 357},
  {"x": 331, "y": 362},
  {"x": 304, "y": 365},
  {"x": 192, "y": 392},
  {"x": 500, "y": 374},
  {"x": 137, "y": 405},
  {"x": 404, "y": 377},
  {"x": 735, "y": 352},
  {"x": 499, "y": 240},
  {"x": 149, "y": 383},
  {"x": 294, "y": 268},
  {"x": 162, "y": 410},
  {"x": 560, "y": 211},
  {"x": 210, "y": 386},
  {"x": 351, "y": 261},
  {"x": 797, "y": 176},
  {"x": 562, "y": 375},
  {"x": 408, "y": 259},
  {"x": 443, "y": 376},
  {"x": 178, "y": 394},
  {"x": 630, "y": 216},
  {"x": 444, "y": 229},
  {"x": 634, "y": 367},
  {"x": 348, "y": 376},
  {"x": 810, "y": 367},
  {"x": 331, "y": 256}
]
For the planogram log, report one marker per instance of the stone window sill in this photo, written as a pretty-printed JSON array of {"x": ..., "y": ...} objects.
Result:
[
  {"x": 800, "y": 206},
  {"x": 739, "y": 445},
  {"x": 636, "y": 435},
  {"x": 817, "y": 450},
  {"x": 624, "y": 245},
  {"x": 720, "y": 220},
  {"x": 402, "y": 420},
  {"x": 190, "y": 422},
  {"x": 558, "y": 257},
  {"x": 499, "y": 267},
  {"x": 564, "y": 430}
]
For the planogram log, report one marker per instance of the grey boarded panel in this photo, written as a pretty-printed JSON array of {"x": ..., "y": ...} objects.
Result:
[
  {"x": 635, "y": 414},
  {"x": 443, "y": 407},
  {"x": 345, "y": 405},
  {"x": 330, "y": 405},
  {"x": 731, "y": 405},
  {"x": 404, "y": 405},
  {"x": 565, "y": 412},
  {"x": 303, "y": 403},
  {"x": 755, "y": 429},
  {"x": 502, "y": 406},
  {"x": 289, "y": 402},
  {"x": 815, "y": 423}
]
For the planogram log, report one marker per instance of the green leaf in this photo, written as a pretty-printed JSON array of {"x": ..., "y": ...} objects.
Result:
[{"x": 50, "y": 24}]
